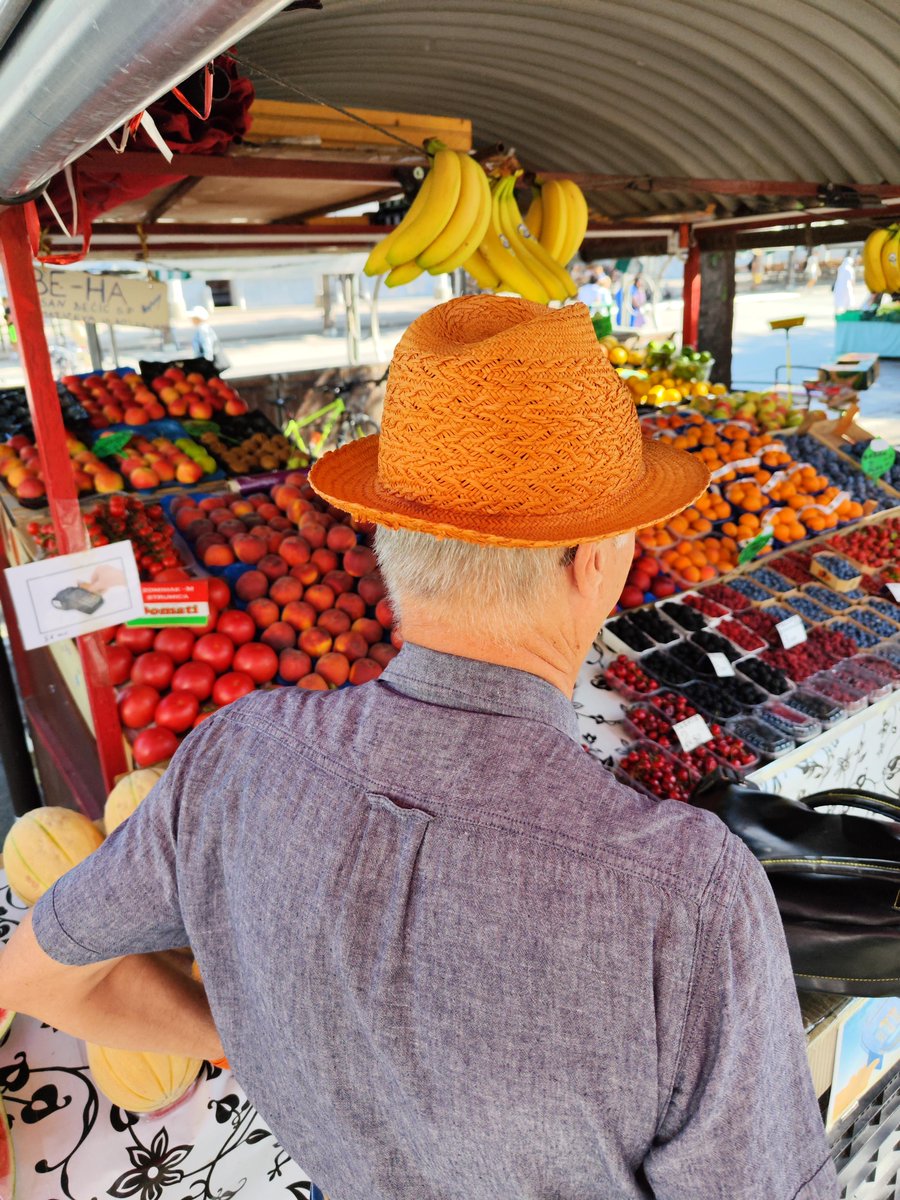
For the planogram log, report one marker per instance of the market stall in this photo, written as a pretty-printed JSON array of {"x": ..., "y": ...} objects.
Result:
[{"x": 868, "y": 333}]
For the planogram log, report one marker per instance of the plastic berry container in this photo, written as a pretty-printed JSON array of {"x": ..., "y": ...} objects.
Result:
[
  {"x": 705, "y": 605},
  {"x": 864, "y": 638},
  {"x": 827, "y": 597},
  {"x": 820, "y": 708},
  {"x": 723, "y": 594},
  {"x": 887, "y": 608},
  {"x": 806, "y": 607},
  {"x": 651, "y": 622},
  {"x": 657, "y": 771},
  {"x": 634, "y": 684},
  {"x": 769, "y": 578},
  {"x": 624, "y": 637},
  {"x": 890, "y": 651},
  {"x": 838, "y": 572},
  {"x": 672, "y": 706},
  {"x": 789, "y": 721},
  {"x": 767, "y": 741},
  {"x": 883, "y": 668},
  {"x": 874, "y": 686},
  {"x": 750, "y": 588},
  {"x": 833, "y": 687},
  {"x": 742, "y": 637},
  {"x": 711, "y": 642},
  {"x": 684, "y": 616},
  {"x": 878, "y": 624},
  {"x": 770, "y": 679},
  {"x": 667, "y": 669}
]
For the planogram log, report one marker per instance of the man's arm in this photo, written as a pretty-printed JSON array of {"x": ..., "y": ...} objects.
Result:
[{"x": 140, "y": 1002}]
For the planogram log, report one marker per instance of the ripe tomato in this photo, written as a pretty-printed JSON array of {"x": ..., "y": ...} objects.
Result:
[
  {"x": 154, "y": 669},
  {"x": 237, "y": 625},
  {"x": 219, "y": 593},
  {"x": 137, "y": 705},
  {"x": 259, "y": 661},
  {"x": 177, "y": 711},
  {"x": 177, "y": 642},
  {"x": 231, "y": 687},
  {"x": 215, "y": 649},
  {"x": 119, "y": 660},
  {"x": 137, "y": 640},
  {"x": 195, "y": 677},
  {"x": 153, "y": 746}
]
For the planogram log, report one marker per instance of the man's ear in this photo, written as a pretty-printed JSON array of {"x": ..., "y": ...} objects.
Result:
[{"x": 587, "y": 569}]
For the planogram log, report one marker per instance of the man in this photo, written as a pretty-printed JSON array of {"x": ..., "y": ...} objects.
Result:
[
  {"x": 205, "y": 341},
  {"x": 448, "y": 955}
]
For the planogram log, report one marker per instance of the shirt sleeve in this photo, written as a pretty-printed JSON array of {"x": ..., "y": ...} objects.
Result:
[
  {"x": 743, "y": 1120},
  {"x": 123, "y": 899}
]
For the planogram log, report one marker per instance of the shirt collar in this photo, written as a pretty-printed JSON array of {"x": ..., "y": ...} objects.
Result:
[{"x": 475, "y": 686}]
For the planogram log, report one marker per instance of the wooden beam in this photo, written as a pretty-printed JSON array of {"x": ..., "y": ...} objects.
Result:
[
  {"x": 162, "y": 206},
  {"x": 323, "y": 210},
  {"x": 716, "y": 318},
  {"x": 725, "y": 187},
  {"x": 244, "y": 167}
]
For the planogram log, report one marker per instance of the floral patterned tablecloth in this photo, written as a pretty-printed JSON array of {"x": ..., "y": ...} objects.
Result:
[{"x": 70, "y": 1143}]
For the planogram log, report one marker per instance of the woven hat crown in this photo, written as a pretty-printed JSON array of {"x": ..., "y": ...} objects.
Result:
[{"x": 500, "y": 406}]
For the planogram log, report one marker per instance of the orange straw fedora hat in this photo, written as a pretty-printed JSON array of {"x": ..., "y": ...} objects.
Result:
[{"x": 505, "y": 424}]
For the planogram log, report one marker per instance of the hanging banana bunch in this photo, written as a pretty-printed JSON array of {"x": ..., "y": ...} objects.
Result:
[
  {"x": 881, "y": 260},
  {"x": 444, "y": 225}
]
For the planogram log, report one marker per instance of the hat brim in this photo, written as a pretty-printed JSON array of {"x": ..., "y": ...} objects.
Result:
[{"x": 671, "y": 480}]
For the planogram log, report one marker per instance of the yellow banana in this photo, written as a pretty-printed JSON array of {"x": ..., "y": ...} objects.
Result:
[
  {"x": 475, "y": 180},
  {"x": 377, "y": 262},
  {"x": 514, "y": 275},
  {"x": 871, "y": 255},
  {"x": 890, "y": 262},
  {"x": 478, "y": 267},
  {"x": 404, "y": 273},
  {"x": 414, "y": 236},
  {"x": 534, "y": 216},
  {"x": 577, "y": 220},
  {"x": 555, "y": 218},
  {"x": 511, "y": 220}
]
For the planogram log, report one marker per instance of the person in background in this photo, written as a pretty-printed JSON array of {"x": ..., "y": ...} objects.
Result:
[
  {"x": 757, "y": 269},
  {"x": 205, "y": 342},
  {"x": 844, "y": 298},
  {"x": 638, "y": 300},
  {"x": 589, "y": 293},
  {"x": 812, "y": 270}
]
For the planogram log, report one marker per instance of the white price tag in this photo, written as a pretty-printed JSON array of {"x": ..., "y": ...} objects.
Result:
[
  {"x": 774, "y": 481},
  {"x": 745, "y": 464},
  {"x": 894, "y": 589},
  {"x": 792, "y": 632},
  {"x": 692, "y": 732},
  {"x": 721, "y": 664}
]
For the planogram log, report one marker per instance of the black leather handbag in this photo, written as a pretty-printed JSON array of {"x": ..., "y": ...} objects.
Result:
[{"x": 836, "y": 879}]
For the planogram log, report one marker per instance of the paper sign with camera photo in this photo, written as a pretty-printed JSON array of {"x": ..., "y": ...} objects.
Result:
[{"x": 72, "y": 594}]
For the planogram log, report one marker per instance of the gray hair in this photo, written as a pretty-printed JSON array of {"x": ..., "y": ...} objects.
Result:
[{"x": 462, "y": 577}]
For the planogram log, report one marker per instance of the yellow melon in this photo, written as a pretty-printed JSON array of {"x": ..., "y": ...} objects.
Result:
[
  {"x": 139, "y": 1080},
  {"x": 127, "y": 795},
  {"x": 44, "y": 844}
]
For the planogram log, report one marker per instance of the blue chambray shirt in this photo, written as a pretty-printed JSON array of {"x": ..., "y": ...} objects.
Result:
[{"x": 450, "y": 956}]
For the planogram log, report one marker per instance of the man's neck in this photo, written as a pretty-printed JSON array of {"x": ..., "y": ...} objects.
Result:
[{"x": 548, "y": 656}]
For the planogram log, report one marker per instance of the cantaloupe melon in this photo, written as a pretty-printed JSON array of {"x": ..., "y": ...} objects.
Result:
[
  {"x": 127, "y": 795},
  {"x": 44, "y": 844},
  {"x": 138, "y": 1080}
]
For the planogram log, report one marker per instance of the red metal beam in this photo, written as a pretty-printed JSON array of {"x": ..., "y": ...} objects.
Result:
[
  {"x": 691, "y": 318},
  {"x": 244, "y": 167},
  {"x": 62, "y": 494}
]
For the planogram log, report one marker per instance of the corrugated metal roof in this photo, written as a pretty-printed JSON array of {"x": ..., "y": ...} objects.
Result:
[{"x": 756, "y": 89}]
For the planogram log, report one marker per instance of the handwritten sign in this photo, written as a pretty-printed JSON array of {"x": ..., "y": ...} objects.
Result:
[
  {"x": 792, "y": 632},
  {"x": 692, "y": 732},
  {"x": 721, "y": 664},
  {"x": 112, "y": 299},
  {"x": 878, "y": 458}
]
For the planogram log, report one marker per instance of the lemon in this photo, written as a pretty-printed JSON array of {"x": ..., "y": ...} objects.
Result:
[
  {"x": 719, "y": 389},
  {"x": 635, "y": 357},
  {"x": 618, "y": 356},
  {"x": 701, "y": 389},
  {"x": 671, "y": 395}
]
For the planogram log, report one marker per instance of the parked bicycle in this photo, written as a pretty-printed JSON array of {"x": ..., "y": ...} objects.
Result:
[{"x": 334, "y": 424}]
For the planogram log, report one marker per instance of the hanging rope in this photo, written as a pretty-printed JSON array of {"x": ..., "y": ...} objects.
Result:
[{"x": 256, "y": 69}]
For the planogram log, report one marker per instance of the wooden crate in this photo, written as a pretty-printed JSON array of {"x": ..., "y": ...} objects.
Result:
[{"x": 318, "y": 126}]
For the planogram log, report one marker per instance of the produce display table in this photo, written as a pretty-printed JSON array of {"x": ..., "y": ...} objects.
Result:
[
  {"x": 71, "y": 1144},
  {"x": 872, "y": 337}
]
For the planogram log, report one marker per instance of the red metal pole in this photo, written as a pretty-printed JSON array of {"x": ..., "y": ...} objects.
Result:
[
  {"x": 62, "y": 494},
  {"x": 691, "y": 317}
]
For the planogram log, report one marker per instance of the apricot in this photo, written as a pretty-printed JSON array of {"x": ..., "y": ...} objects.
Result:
[
  {"x": 280, "y": 636},
  {"x": 335, "y": 620},
  {"x": 293, "y": 665},
  {"x": 320, "y": 596},
  {"x": 364, "y": 670},
  {"x": 340, "y": 538},
  {"x": 263, "y": 611},
  {"x": 299, "y": 615},
  {"x": 334, "y": 668},
  {"x": 360, "y": 561},
  {"x": 352, "y": 604},
  {"x": 315, "y": 641},
  {"x": 352, "y": 643}
]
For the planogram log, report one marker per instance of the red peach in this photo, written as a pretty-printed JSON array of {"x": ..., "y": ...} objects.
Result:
[
  {"x": 186, "y": 516},
  {"x": 350, "y": 603},
  {"x": 232, "y": 528},
  {"x": 371, "y": 630},
  {"x": 293, "y": 665},
  {"x": 206, "y": 540},
  {"x": 326, "y": 560},
  {"x": 364, "y": 670},
  {"x": 284, "y": 494},
  {"x": 218, "y": 556},
  {"x": 335, "y": 620},
  {"x": 383, "y": 613},
  {"x": 295, "y": 551},
  {"x": 273, "y": 566},
  {"x": 313, "y": 532},
  {"x": 218, "y": 514},
  {"x": 320, "y": 596},
  {"x": 313, "y": 683},
  {"x": 340, "y": 538},
  {"x": 248, "y": 549},
  {"x": 396, "y": 639},
  {"x": 299, "y": 615},
  {"x": 280, "y": 636},
  {"x": 315, "y": 641},
  {"x": 258, "y": 499},
  {"x": 307, "y": 573},
  {"x": 241, "y": 507},
  {"x": 285, "y": 590},
  {"x": 334, "y": 668},
  {"x": 282, "y": 524},
  {"x": 352, "y": 643},
  {"x": 210, "y": 503},
  {"x": 340, "y": 582},
  {"x": 264, "y": 612},
  {"x": 371, "y": 588},
  {"x": 359, "y": 561},
  {"x": 297, "y": 510},
  {"x": 382, "y": 653},
  {"x": 251, "y": 585}
]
